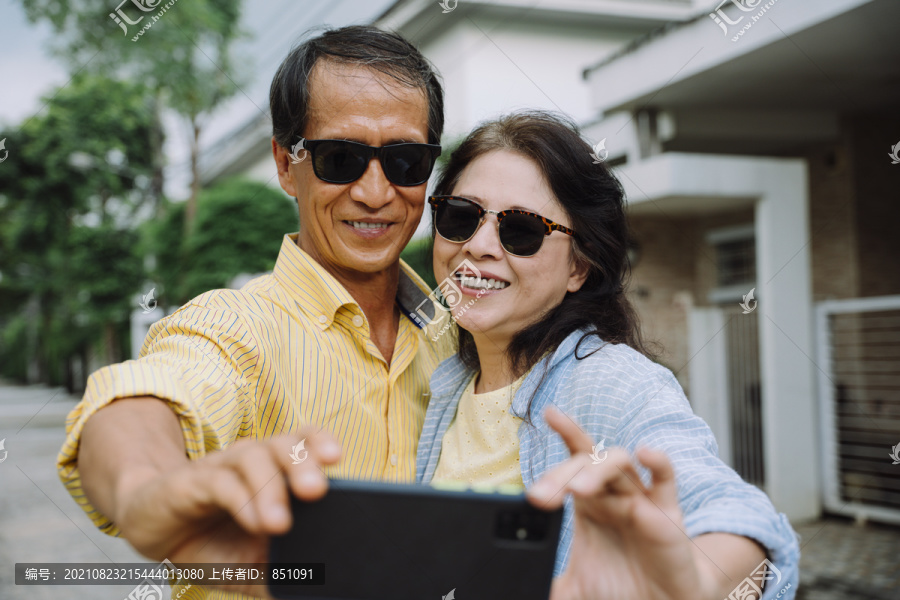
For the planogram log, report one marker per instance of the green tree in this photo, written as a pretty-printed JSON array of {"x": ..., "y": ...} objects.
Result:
[
  {"x": 239, "y": 228},
  {"x": 180, "y": 52},
  {"x": 74, "y": 181},
  {"x": 418, "y": 255}
]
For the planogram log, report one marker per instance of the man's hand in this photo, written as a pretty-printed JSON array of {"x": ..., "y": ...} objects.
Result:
[
  {"x": 221, "y": 508},
  {"x": 629, "y": 541}
]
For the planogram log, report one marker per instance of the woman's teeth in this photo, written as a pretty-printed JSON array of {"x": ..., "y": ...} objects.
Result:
[
  {"x": 478, "y": 283},
  {"x": 364, "y": 225}
]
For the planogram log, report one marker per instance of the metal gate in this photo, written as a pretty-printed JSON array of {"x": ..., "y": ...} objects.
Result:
[
  {"x": 744, "y": 400},
  {"x": 858, "y": 356}
]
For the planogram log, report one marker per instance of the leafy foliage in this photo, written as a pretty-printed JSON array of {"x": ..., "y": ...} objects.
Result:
[
  {"x": 418, "y": 254},
  {"x": 180, "y": 52},
  {"x": 74, "y": 179},
  {"x": 185, "y": 50},
  {"x": 239, "y": 228}
]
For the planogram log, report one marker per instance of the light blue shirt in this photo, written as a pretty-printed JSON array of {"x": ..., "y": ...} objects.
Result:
[{"x": 616, "y": 394}]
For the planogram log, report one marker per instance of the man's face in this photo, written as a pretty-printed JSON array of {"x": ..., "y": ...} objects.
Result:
[{"x": 357, "y": 227}]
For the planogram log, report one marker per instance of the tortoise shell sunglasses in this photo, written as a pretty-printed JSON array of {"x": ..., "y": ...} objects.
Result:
[{"x": 456, "y": 219}]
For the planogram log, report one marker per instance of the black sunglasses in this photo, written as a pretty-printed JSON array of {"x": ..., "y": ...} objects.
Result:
[
  {"x": 342, "y": 161},
  {"x": 521, "y": 233}
]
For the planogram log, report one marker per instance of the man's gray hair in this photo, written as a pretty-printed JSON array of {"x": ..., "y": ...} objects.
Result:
[{"x": 364, "y": 45}]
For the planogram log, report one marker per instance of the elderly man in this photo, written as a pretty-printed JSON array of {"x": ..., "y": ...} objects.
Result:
[{"x": 184, "y": 451}]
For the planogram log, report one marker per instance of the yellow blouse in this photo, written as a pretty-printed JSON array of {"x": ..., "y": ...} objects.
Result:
[{"x": 481, "y": 446}]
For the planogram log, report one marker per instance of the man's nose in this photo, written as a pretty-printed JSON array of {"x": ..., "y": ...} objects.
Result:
[{"x": 373, "y": 189}]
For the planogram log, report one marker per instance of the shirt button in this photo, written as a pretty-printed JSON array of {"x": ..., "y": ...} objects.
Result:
[
  {"x": 394, "y": 460},
  {"x": 357, "y": 321},
  {"x": 323, "y": 319}
]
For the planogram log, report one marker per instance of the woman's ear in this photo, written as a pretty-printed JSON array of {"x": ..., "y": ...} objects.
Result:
[{"x": 578, "y": 272}]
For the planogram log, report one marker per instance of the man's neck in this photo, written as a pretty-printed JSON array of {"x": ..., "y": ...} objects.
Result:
[{"x": 376, "y": 295}]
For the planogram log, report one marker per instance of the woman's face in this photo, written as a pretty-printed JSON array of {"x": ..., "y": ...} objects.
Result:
[{"x": 532, "y": 285}]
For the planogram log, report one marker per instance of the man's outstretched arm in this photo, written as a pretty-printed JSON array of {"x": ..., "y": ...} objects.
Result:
[
  {"x": 217, "y": 509},
  {"x": 126, "y": 445}
]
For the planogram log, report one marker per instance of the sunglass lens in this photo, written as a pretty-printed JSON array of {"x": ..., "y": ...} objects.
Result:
[
  {"x": 456, "y": 220},
  {"x": 408, "y": 164},
  {"x": 340, "y": 162},
  {"x": 521, "y": 235}
]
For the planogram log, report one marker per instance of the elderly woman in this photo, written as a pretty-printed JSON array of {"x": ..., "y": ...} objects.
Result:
[{"x": 551, "y": 365}]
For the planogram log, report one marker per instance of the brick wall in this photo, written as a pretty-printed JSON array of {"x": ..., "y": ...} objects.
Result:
[{"x": 674, "y": 271}]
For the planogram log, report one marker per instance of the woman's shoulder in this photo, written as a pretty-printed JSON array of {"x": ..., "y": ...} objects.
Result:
[
  {"x": 596, "y": 363},
  {"x": 591, "y": 352},
  {"x": 608, "y": 381}
]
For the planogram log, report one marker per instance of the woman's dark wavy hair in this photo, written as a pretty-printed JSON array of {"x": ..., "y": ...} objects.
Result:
[
  {"x": 594, "y": 201},
  {"x": 386, "y": 52}
]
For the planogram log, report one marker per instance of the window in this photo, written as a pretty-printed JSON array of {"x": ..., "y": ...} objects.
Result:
[{"x": 735, "y": 256}]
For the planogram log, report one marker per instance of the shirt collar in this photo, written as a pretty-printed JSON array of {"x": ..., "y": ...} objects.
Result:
[{"x": 320, "y": 295}]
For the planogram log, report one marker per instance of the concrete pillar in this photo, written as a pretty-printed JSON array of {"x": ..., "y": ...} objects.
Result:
[{"x": 787, "y": 351}]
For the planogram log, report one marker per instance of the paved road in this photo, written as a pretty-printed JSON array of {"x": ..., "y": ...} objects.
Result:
[
  {"x": 40, "y": 523},
  {"x": 38, "y": 520},
  {"x": 844, "y": 561}
]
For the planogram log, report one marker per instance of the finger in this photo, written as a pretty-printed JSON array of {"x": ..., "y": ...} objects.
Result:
[
  {"x": 318, "y": 446},
  {"x": 224, "y": 489},
  {"x": 664, "y": 489},
  {"x": 306, "y": 479},
  {"x": 322, "y": 445},
  {"x": 262, "y": 474},
  {"x": 618, "y": 477},
  {"x": 549, "y": 491},
  {"x": 615, "y": 482},
  {"x": 574, "y": 437}
]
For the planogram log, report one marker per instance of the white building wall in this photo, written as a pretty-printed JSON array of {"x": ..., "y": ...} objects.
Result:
[
  {"x": 263, "y": 171},
  {"x": 489, "y": 70}
]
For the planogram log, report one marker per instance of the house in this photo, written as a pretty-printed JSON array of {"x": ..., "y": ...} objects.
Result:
[
  {"x": 753, "y": 140},
  {"x": 754, "y": 143},
  {"x": 493, "y": 57}
]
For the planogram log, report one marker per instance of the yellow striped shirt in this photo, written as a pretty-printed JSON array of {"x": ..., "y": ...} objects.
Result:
[{"x": 290, "y": 348}]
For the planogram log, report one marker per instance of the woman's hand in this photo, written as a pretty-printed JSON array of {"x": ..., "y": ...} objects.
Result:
[{"x": 629, "y": 541}]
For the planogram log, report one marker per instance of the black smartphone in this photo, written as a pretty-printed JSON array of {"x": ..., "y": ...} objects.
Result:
[{"x": 378, "y": 541}]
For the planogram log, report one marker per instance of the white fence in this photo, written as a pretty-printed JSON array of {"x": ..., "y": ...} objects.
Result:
[{"x": 858, "y": 355}]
